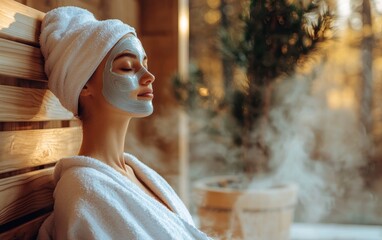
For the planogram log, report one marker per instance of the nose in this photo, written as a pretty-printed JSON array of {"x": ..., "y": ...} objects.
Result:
[{"x": 147, "y": 78}]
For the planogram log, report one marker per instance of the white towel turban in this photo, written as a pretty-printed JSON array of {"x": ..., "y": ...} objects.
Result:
[{"x": 73, "y": 44}]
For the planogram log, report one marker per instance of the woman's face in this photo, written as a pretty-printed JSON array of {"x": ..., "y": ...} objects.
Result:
[{"x": 127, "y": 83}]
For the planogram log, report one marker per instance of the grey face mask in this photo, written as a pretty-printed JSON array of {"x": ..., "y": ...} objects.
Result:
[{"x": 121, "y": 90}]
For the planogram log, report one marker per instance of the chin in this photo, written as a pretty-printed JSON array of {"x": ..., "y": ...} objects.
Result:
[{"x": 142, "y": 115}]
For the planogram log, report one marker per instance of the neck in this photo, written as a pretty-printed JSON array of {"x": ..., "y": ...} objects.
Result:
[{"x": 104, "y": 139}]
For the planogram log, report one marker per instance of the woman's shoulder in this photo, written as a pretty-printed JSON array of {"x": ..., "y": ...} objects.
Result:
[
  {"x": 75, "y": 167},
  {"x": 75, "y": 173},
  {"x": 78, "y": 178},
  {"x": 83, "y": 173}
]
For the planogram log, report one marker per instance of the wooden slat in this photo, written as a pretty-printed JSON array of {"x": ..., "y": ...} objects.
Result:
[
  {"x": 16, "y": 126},
  {"x": 21, "y": 61},
  {"x": 24, "y": 104},
  {"x": 25, "y": 231},
  {"x": 29, "y": 148},
  {"x": 19, "y": 82},
  {"x": 24, "y": 194},
  {"x": 19, "y": 22}
]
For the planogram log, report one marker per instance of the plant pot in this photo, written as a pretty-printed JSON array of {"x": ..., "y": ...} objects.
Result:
[{"x": 256, "y": 214}]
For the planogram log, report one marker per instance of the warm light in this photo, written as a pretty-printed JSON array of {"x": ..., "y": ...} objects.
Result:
[
  {"x": 377, "y": 25},
  {"x": 203, "y": 92},
  {"x": 183, "y": 34},
  {"x": 183, "y": 24},
  {"x": 343, "y": 12},
  {"x": 183, "y": 56},
  {"x": 284, "y": 49},
  {"x": 378, "y": 5},
  {"x": 307, "y": 42},
  {"x": 356, "y": 21},
  {"x": 341, "y": 98},
  {"x": 344, "y": 8},
  {"x": 213, "y": 3},
  {"x": 212, "y": 16},
  {"x": 293, "y": 40}
]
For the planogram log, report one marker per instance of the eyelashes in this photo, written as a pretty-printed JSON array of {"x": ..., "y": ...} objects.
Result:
[{"x": 127, "y": 70}]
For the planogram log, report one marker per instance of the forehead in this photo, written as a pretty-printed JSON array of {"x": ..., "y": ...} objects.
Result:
[{"x": 130, "y": 43}]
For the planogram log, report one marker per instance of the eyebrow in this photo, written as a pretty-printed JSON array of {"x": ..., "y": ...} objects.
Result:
[{"x": 128, "y": 54}]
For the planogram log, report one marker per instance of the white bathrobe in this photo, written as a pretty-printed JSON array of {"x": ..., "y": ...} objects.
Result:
[{"x": 94, "y": 201}]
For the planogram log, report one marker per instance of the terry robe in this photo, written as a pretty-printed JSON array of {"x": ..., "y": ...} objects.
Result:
[{"x": 94, "y": 201}]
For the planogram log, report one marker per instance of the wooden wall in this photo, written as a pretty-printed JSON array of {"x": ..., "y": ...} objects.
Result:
[{"x": 33, "y": 124}]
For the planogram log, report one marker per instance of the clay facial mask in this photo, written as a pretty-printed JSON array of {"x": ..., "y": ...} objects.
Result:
[{"x": 121, "y": 90}]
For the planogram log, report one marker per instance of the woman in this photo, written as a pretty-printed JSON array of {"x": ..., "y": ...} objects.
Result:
[{"x": 98, "y": 70}]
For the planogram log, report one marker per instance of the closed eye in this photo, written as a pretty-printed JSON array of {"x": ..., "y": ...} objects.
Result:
[{"x": 127, "y": 69}]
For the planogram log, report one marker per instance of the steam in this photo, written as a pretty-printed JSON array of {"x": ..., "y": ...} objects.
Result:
[
  {"x": 315, "y": 140},
  {"x": 319, "y": 145},
  {"x": 320, "y": 148},
  {"x": 212, "y": 151}
]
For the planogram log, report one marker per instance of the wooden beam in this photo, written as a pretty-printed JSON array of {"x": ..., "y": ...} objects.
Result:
[
  {"x": 30, "y": 148},
  {"x": 24, "y": 194},
  {"x": 13, "y": 126},
  {"x": 21, "y": 61},
  {"x": 25, "y": 104},
  {"x": 19, "y": 22},
  {"x": 28, "y": 230}
]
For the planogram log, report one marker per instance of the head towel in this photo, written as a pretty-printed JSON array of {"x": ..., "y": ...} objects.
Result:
[{"x": 73, "y": 44}]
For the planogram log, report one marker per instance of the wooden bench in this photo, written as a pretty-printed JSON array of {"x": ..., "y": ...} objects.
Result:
[{"x": 35, "y": 130}]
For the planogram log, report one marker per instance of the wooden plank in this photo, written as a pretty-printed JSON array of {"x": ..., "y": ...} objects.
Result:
[
  {"x": 21, "y": 61},
  {"x": 25, "y": 104},
  {"x": 13, "y": 126},
  {"x": 19, "y": 22},
  {"x": 29, "y": 148},
  {"x": 24, "y": 194},
  {"x": 20, "y": 82},
  {"x": 25, "y": 231}
]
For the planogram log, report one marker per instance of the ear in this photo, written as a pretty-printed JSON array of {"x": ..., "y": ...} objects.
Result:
[{"x": 85, "y": 91}]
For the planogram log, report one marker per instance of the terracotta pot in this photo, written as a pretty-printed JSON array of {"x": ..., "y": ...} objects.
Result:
[{"x": 256, "y": 214}]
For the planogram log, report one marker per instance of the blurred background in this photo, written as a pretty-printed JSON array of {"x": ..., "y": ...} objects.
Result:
[{"x": 304, "y": 107}]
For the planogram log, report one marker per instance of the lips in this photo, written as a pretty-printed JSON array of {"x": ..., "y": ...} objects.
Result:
[{"x": 147, "y": 93}]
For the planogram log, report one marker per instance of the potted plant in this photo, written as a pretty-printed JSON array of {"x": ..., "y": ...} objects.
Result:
[{"x": 275, "y": 36}]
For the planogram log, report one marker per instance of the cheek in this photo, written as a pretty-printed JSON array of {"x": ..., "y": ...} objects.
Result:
[{"x": 122, "y": 84}]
